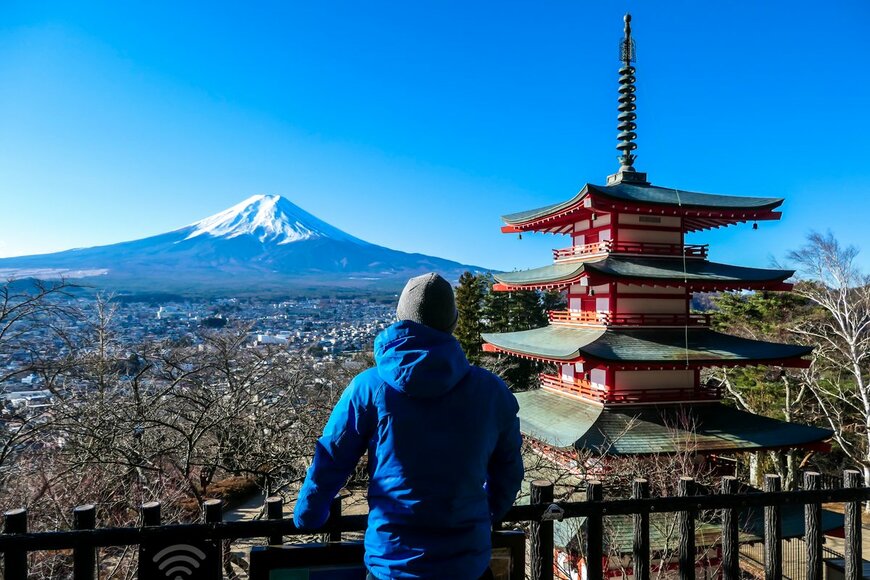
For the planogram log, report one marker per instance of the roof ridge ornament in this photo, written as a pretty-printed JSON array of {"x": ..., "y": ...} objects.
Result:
[{"x": 627, "y": 115}]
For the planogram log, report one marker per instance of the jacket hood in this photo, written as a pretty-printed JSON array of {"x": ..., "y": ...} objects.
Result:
[{"x": 419, "y": 360}]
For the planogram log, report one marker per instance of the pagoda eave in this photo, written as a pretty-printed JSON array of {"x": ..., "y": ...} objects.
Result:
[
  {"x": 657, "y": 429},
  {"x": 700, "y": 211},
  {"x": 644, "y": 365}
]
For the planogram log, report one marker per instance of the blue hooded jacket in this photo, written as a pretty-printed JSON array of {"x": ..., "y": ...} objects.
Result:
[{"x": 444, "y": 456}]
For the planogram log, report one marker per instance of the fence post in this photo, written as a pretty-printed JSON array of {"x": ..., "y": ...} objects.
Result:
[
  {"x": 730, "y": 538},
  {"x": 275, "y": 511},
  {"x": 84, "y": 559},
  {"x": 640, "y": 548},
  {"x": 541, "y": 533},
  {"x": 15, "y": 563},
  {"x": 213, "y": 511},
  {"x": 334, "y": 516},
  {"x": 852, "y": 479},
  {"x": 594, "y": 533},
  {"x": 686, "y": 488},
  {"x": 151, "y": 513},
  {"x": 812, "y": 527},
  {"x": 772, "y": 531}
]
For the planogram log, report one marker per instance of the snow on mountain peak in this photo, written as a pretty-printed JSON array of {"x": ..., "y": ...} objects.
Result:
[{"x": 269, "y": 218}]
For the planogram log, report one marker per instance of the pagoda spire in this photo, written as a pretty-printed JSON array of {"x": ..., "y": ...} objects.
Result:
[{"x": 626, "y": 108}]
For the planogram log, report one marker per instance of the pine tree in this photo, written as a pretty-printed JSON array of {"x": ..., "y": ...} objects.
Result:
[{"x": 470, "y": 296}]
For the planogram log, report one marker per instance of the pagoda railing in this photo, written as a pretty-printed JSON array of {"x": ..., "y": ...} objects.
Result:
[
  {"x": 585, "y": 389},
  {"x": 591, "y": 317},
  {"x": 646, "y": 248}
]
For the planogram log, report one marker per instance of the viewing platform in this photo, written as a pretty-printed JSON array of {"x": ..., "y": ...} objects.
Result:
[
  {"x": 608, "y": 396},
  {"x": 595, "y": 318},
  {"x": 654, "y": 249}
]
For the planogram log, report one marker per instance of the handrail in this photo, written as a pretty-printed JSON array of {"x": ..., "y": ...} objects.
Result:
[{"x": 691, "y": 500}]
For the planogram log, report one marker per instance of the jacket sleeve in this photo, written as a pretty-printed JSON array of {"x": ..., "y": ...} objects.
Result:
[
  {"x": 336, "y": 453},
  {"x": 505, "y": 471}
]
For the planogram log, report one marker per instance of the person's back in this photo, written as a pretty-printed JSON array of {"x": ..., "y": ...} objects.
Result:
[{"x": 437, "y": 429}]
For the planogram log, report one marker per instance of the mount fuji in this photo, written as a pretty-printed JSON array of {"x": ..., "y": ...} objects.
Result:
[{"x": 265, "y": 243}]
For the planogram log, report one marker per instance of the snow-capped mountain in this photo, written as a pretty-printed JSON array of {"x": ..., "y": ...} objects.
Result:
[{"x": 264, "y": 243}]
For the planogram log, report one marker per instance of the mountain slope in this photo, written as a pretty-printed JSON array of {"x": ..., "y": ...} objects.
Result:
[{"x": 263, "y": 243}]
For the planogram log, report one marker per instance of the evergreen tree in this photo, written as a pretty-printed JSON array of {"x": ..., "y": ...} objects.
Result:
[{"x": 470, "y": 296}]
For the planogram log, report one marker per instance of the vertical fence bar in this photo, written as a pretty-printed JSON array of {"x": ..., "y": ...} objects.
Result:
[
  {"x": 151, "y": 513},
  {"x": 84, "y": 559},
  {"x": 15, "y": 563},
  {"x": 594, "y": 534},
  {"x": 852, "y": 479},
  {"x": 730, "y": 538},
  {"x": 685, "y": 488},
  {"x": 334, "y": 516},
  {"x": 812, "y": 527},
  {"x": 541, "y": 534},
  {"x": 772, "y": 531},
  {"x": 275, "y": 511},
  {"x": 640, "y": 547}
]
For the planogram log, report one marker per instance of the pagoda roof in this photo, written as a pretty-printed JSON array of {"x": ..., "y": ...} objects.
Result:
[
  {"x": 651, "y": 429},
  {"x": 653, "y": 346},
  {"x": 639, "y": 196},
  {"x": 700, "y": 272}
]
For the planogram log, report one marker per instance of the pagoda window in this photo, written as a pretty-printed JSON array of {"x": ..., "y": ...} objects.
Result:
[
  {"x": 683, "y": 380},
  {"x": 602, "y": 304},
  {"x": 650, "y": 236},
  {"x": 675, "y": 305},
  {"x": 650, "y": 221},
  {"x": 567, "y": 372},
  {"x": 598, "y": 378}
]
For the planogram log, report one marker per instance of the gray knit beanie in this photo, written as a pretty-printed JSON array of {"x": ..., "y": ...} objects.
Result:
[{"x": 428, "y": 299}]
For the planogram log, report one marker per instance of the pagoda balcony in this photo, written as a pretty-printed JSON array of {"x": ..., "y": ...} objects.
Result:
[
  {"x": 635, "y": 248},
  {"x": 586, "y": 390},
  {"x": 593, "y": 318}
]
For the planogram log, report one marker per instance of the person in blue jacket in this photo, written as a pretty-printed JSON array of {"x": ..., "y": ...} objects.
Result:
[{"x": 443, "y": 444}]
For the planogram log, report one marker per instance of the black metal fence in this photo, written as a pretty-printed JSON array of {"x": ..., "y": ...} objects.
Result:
[{"x": 86, "y": 538}]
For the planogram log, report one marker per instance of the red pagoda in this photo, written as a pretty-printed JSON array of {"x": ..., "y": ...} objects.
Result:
[{"x": 628, "y": 348}]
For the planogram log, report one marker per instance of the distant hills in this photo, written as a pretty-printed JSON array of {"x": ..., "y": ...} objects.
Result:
[{"x": 265, "y": 244}]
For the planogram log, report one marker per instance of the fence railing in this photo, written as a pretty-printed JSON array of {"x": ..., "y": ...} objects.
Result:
[{"x": 540, "y": 513}]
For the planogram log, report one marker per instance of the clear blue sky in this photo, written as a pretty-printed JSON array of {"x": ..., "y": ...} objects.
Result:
[{"x": 416, "y": 124}]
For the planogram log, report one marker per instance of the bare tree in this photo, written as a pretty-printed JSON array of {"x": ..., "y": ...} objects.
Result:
[{"x": 838, "y": 377}]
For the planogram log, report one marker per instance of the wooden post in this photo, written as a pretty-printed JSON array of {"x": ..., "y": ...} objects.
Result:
[
  {"x": 541, "y": 534},
  {"x": 812, "y": 527},
  {"x": 334, "y": 516},
  {"x": 15, "y": 563},
  {"x": 640, "y": 547},
  {"x": 594, "y": 534},
  {"x": 685, "y": 488},
  {"x": 84, "y": 559},
  {"x": 852, "y": 479},
  {"x": 275, "y": 511},
  {"x": 213, "y": 511},
  {"x": 151, "y": 513},
  {"x": 772, "y": 531},
  {"x": 730, "y": 538}
]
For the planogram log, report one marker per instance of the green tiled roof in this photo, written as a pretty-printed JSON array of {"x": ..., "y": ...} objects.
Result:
[
  {"x": 645, "y": 268},
  {"x": 698, "y": 345},
  {"x": 651, "y": 194},
  {"x": 630, "y": 430}
]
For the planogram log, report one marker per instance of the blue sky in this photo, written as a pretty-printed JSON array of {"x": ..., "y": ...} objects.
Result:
[{"x": 416, "y": 125}]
